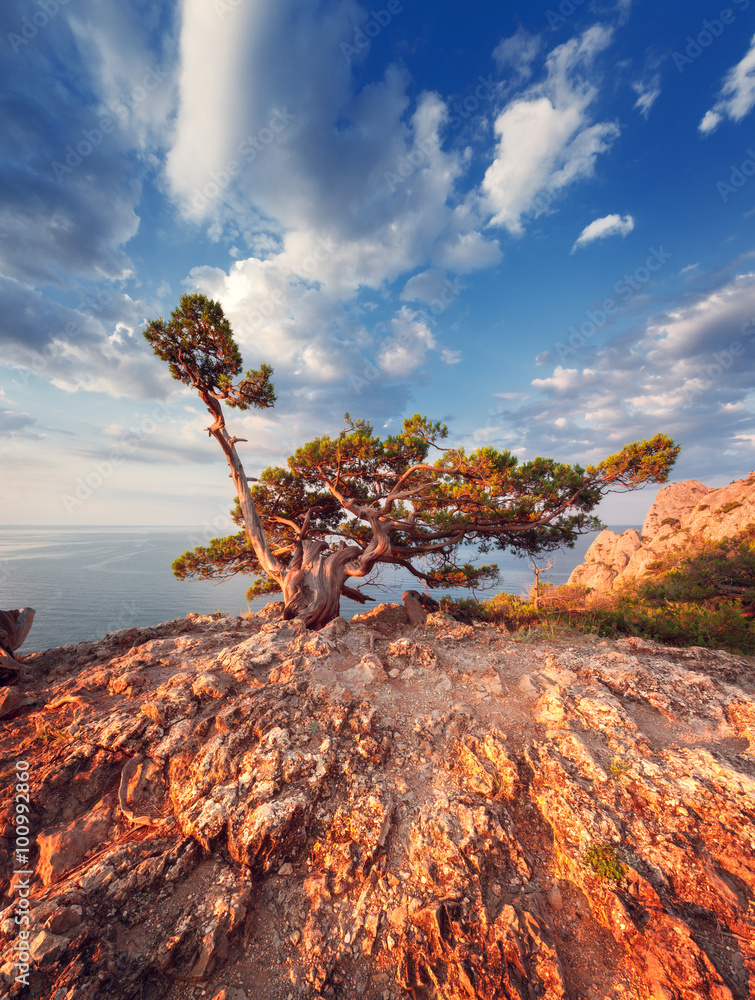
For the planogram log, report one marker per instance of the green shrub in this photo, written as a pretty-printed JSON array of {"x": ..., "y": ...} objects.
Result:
[
  {"x": 503, "y": 609},
  {"x": 604, "y": 861},
  {"x": 680, "y": 624},
  {"x": 729, "y": 507},
  {"x": 675, "y": 609}
]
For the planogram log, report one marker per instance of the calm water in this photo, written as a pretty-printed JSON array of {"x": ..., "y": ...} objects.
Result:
[{"x": 87, "y": 582}]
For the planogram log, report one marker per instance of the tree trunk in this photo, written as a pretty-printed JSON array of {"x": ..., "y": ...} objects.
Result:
[
  {"x": 312, "y": 581},
  {"x": 312, "y": 590}
]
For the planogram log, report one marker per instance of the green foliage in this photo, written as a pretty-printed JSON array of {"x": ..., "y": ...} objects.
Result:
[
  {"x": 678, "y": 624},
  {"x": 604, "y": 861},
  {"x": 402, "y": 499},
  {"x": 709, "y": 570},
  {"x": 200, "y": 351},
  {"x": 503, "y": 609},
  {"x": 639, "y": 463},
  {"x": 718, "y": 624},
  {"x": 729, "y": 507},
  {"x": 337, "y": 485},
  {"x": 618, "y": 767}
]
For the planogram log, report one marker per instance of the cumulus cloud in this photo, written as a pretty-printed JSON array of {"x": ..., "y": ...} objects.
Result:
[
  {"x": 427, "y": 286},
  {"x": 545, "y": 140},
  {"x": 404, "y": 352},
  {"x": 609, "y": 225},
  {"x": 737, "y": 95},
  {"x": 688, "y": 372}
]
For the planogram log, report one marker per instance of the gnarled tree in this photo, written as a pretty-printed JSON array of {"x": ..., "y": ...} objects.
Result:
[{"x": 348, "y": 503}]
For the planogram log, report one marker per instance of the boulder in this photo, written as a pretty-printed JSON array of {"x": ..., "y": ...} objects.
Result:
[
  {"x": 14, "y": 628},
  {"x": 682, "y": 514}
]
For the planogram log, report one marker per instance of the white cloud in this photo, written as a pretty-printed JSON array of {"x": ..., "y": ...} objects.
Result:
[
  {"x": 609, "y": 225},
  {"x": 517, "y": 53},
  {"x": 469, "y": 251},
  {"x": 648, "y": 92},
  {"x": 564, "y": 380},
  {"x": 685, "y": 336},
  {"x": 544, "y": 139},
  {"x": 134, "y": 81},
  {"x": 425, "y": 287},
  {"x": 737, "y": 95},
  {"x": 405, "y": 351},
  {"x": 449, "y": 357},
  {"x": 688, "y": 372}
]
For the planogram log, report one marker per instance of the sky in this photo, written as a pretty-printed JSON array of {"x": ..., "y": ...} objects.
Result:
[{"x": 533, "y": 222}]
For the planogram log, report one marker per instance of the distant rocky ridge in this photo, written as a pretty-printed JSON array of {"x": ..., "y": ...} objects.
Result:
[
  {"x": 242, "y": 810},
  {"x": 682, "y": 513}
]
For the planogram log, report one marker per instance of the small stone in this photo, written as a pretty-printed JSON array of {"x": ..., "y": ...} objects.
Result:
[
  {"x": 45, "y": 948},
  {"x": 10, "y": 699},
  {"x": 556, "y": 899}
]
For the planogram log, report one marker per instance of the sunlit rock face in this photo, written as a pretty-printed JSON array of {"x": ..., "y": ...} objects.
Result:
[
  {"x": 381, "y": 810},
  {"x": 683, "y": 513}
]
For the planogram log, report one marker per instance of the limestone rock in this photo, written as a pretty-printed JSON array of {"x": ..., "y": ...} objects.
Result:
[
  {"x": 682, "y": 513},
  {"x": 496, "y": 820},
  {"x": 61, "y": 850}
]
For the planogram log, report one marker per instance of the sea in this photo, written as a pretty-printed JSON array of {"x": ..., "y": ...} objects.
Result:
[{"x": 87, "y": 581}]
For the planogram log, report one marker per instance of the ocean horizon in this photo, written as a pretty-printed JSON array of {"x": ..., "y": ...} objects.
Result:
[{"x": 84, "y": 582}]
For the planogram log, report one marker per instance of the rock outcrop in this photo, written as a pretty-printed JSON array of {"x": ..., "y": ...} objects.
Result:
[
  {"x": 683, "y": 513},
  {"x": 233, "y": 809}
]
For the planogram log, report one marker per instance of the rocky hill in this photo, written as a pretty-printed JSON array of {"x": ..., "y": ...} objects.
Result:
[
  {"x": 682, "y": 513},
  {"x": 230, "y": 808}
]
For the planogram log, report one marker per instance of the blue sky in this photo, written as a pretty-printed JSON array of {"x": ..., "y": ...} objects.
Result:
[{"x": 533, "y": 222}]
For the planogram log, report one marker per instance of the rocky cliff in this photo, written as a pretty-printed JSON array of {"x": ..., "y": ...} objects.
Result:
[
  {"x": 682, "y": 513},
  {"x": 239, "y": 809}
]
